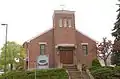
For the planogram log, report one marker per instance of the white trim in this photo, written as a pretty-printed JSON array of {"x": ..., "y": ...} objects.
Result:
[
  {"x": 64, "y": 11},
  {"x": 43, "y": 43},
  {"x": 64, "y": 45},
  {"x": 84, "y": 43}
]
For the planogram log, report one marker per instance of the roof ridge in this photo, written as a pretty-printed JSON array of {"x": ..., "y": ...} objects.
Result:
[
  {"x": 39, "y": 34},
  {"x": 87, "y": 36}
]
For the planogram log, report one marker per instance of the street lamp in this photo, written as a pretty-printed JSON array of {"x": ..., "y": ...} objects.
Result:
[{"x": 5, "y": 47}]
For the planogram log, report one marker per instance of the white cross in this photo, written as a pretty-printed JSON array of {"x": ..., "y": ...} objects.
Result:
[{"x": 62, "y": 6}]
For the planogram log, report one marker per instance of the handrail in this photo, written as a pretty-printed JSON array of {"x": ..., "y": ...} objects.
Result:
[
  {"x": 79, "y": 66},
  {"x": 88, "y": 72},
  {"x": 68, "y": 74}
]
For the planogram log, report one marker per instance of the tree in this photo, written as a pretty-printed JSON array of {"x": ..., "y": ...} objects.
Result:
[
  {"x": 14, "y": 54},
  {"x": 104, "y": 49},
  {"x": 116, "y": 46},
  {"x": 115, "y": 58},
  {"x": 20, "y": 65}
]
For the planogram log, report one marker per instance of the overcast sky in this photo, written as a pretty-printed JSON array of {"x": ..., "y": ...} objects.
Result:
[{"x": 28, "y": 18}]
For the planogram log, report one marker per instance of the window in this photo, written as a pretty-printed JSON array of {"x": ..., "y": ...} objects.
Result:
[
  {"x": 42, "y": 49},
  {"x": 85, "y": 49},
  {"x": 69, "y": 23},
  {"x": 60, "y": 22},
  {"x": 65, "y": 22}
]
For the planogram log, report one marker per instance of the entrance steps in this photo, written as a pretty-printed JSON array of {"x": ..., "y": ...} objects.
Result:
[{"x": 74, "y": 73}]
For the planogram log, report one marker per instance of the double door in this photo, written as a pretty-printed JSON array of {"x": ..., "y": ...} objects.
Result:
[{"x": 66, "y": 56}]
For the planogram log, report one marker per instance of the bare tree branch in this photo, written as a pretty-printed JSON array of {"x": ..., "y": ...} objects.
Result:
[{"x": 104, "y": 49}]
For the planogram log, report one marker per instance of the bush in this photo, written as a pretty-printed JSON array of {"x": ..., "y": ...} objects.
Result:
[
  {"x": 40, "y": 74},
  {"x": 106, "y": 72},
  {"x": 103, "y": 73},
  {"x": 96, "y": 63},
  {"x": 117, "y": 71}
]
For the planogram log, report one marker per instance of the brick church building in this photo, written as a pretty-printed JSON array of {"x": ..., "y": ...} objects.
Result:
[{"x": 63, "y": 44}]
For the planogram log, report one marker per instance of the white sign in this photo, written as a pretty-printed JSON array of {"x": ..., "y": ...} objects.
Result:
[{"x": 42, "y": 62}]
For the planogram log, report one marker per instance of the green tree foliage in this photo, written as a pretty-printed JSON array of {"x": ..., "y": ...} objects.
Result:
[
  {"x": 116, "y": 46},
  {"x": 15, "y": 55},
  {"x": 115, "y": 58}
]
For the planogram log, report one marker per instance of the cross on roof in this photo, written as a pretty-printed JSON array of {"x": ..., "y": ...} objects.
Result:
[{"x": 62, "y": 6}]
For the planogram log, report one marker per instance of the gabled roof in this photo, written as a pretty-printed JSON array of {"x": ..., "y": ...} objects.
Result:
[
  {"x": 52, "y": 29},
  {"x": 39, "y": 35},
  {"x": 86, "y": 35}
]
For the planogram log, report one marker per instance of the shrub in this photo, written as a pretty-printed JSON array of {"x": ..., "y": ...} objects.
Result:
[
  {"x": 96, "y": 63},
  {"x": 106, "y": 72},
  {"x": 117, "y": 71},
  {"x": 103, "y": 73},
  {"x": 40, "y": 74}
]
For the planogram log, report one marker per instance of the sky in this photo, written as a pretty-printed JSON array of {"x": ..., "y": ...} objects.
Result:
[{"x": 28, "y": 18}]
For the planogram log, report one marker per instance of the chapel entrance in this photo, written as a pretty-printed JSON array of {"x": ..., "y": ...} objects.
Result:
[{"x": 66, "y": 56}]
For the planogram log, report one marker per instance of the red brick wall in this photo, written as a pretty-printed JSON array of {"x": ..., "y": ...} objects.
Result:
[
  {"x": 80, "y": 38},
  {"x": 64, "y": 35},
  {"x": 34, "y": 48}
]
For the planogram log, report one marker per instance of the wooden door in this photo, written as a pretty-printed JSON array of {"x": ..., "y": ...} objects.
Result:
[{"x": 66, "y": 57}]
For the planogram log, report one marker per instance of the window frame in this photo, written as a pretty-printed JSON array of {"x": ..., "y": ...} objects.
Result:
[
  {"x": 65, "y": 22},
  {"x": 42, "y": 50},
  {"x": 60, "y": 22},
  {"x": 69, "y": 21},
  {"x": 85, "y": 49}
]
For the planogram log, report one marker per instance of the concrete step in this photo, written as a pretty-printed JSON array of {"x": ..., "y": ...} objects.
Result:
[
  {"x": 77, "y": 78},
  {"x": 72, "y": 69},
  {"x": 74, "y": 66},
  {"x": 74, "y": 73}
]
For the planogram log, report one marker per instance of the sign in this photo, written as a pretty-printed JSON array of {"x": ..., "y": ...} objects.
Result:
[{"x": 42, "y": 62}]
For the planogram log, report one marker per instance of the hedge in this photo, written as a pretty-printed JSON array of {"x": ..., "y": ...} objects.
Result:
[
  {"x": 40, "y": 74},
  {"x": 106, "y": 72},
  {"x": 102, "y": 73}
]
